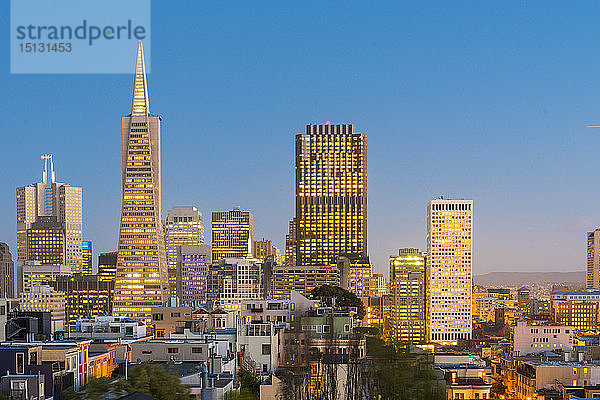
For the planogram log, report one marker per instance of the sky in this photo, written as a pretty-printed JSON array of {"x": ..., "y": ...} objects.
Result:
[{"x": 480, "y": 100}]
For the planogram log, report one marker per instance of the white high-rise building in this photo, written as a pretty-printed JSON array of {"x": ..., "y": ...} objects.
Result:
[
  {"x": 449, "y": 270},
  {"x": 51, "y": 199}
]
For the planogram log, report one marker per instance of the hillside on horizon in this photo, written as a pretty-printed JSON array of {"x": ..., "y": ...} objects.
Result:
[{"x": 523, "y": 278}]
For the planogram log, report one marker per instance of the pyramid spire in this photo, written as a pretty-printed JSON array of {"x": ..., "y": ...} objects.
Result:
[{"x": 141, "y": 103}]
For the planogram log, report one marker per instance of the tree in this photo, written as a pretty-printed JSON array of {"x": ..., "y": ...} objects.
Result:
[
  {"x": 498, "y": 389},
  {"x": 150, "y": 379},
  {"x": 341, "y": 297}
]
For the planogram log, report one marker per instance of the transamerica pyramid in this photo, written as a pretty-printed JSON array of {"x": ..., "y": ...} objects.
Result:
[{"x": 141, "y": 280}]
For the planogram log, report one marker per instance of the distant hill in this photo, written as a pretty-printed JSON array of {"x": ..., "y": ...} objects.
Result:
[{"x": 522, "y": 278}]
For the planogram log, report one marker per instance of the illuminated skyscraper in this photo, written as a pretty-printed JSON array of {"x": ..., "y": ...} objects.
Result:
[
  {"x": 193, "y": 262},
  {"x": 141, "y": 280},
  {"x": 331, "y": 194},
  {"x": 407, "y": 289},
  {"x": 593, "y": 260},
  {"x": 51, "y": 199},
  {"x": 86, "y": 255},
  {"x": 7, "y": 274},
  {"x": 231, "y": 234},
  {"x": 449, "y": 273},
  {"x": 290, "y": 244},
  {"x": 183, "y": 226}
]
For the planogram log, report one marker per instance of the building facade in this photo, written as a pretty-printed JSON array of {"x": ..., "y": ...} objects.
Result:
[
  {"x": 86, "y": 296},
  {"x": 183, "y": 226},
  {"x": 231, "y": 234},
  {"x": 449, "y": 278},
  {"x": 44, "y": 298},
  {"x": 407, "y": 289},
  {"x": 531, "y": 339},
  {"x": 302, "y": 279},
  {"x": 331, "y": 194},
  {"x": 193, "y": 262},
  {"x": 231, "y": 280},
  {"x": 7, "y": 274},
  {"x": 142, "y": 280},
  {"x": 355, "y": 275},
  {"x": 51, "y": 199},
  {"x": 264, "y": 248},
  {"x": 46, "y": 241}
]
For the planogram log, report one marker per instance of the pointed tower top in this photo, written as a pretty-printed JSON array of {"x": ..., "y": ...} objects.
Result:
[{"x": 141, "y": 103}]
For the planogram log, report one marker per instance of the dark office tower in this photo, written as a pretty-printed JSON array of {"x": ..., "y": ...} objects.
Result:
[
  {"x": 86, "y": 256},
  {"x": 7, "y": 273},
  {"x": 331, "y": 194},
  {"x": 46, "y": 241},
  {"x": 142, "y": 281},
  {"x": 107, "y": 266},
  {"x": 290, "y": 245},
  {"x": 86, "y": 296}
]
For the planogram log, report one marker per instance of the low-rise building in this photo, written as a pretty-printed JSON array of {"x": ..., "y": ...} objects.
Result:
[
  {"x": 166, "y": 319},
  {"x": 109, "y": 328},
  {"x": 529, "y": 339},
  {"x": 44, "y": 298}
]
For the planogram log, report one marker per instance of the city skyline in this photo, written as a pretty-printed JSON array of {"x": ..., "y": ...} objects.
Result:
[{"x": 531, "y": 147}]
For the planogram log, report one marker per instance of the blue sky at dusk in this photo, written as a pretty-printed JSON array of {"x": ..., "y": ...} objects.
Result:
[{"x": 481, "y": 100}]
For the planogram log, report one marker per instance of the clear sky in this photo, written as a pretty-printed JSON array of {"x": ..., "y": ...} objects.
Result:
[{"x": 480, "y": 100}]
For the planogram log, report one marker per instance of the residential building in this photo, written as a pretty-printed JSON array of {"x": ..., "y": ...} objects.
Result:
[
  {"x": 86, "y": 257},
  {"x": 302, "y": 279},
  {"x": 379, "y": 285},
  {"x": 50, "y": 199},
  {"x": 142, "y": 280},
  {"x": 449, "y": 278},
  {"x": 44, "y": 298},
  {"x": 231, "y": 280},
  {"x": 165, "y": 320},
  {"x": 355, "y": 275},
  {"x": 183, "y": 226},
  {"x": 193, "y": 262},
  {"x": 87, "y": 296},
  {"x": 7, "y": 273},
  {"x": 531, "y": 339},
  {"x": 46, "y": 241},
  {"x": 109, "y": 328},
  {"x": 535, "y": 377},
  {"x": 407, "y": 295},
  {"x": 231, "y": 234},
  {"x": 593, "y": 260},
  {"x": 107, "y": 266},
  {"x": 331, "y": 194},
  {"x": 258, "y": 346}
]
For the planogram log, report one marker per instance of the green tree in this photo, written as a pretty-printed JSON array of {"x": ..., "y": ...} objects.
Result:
[
  {"x": 395, "y": 374},
  {"x": 343, "y": 298}
]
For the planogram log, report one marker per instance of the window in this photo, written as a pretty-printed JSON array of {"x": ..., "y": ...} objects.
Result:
[
  {"x": 146, "y": 351},
  {"x": 197, "y": 350},
  {"x": 346, "y": 328},
  {"x": 325, "y": 328},
  {"x": 266, "y": 349},
  {"x": 20, "y": 363},
  {"x": 157, "y": 317},
  {"x": 172, "y": 350},
  {"x": 160, "y": 333},
  {"x": 175, "y": 315}
]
